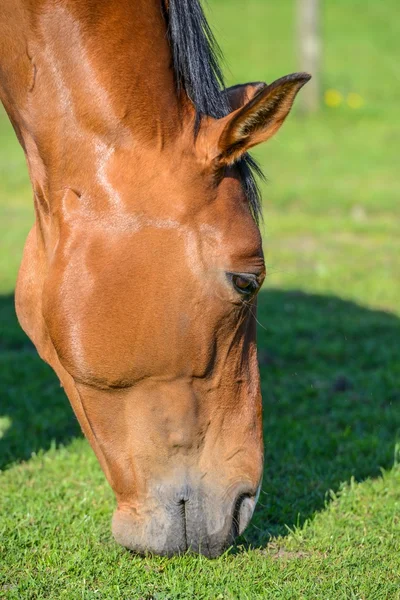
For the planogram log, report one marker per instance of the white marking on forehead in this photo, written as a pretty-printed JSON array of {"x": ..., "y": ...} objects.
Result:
[
  {"x": 196, "y": 244},
  {"x": 103, "y": 155},
  {"x": 129, "y": 222},
  {"x": 163, "y": 223},
  {"x": 212, "y": 232},
  {"x": 193, "y": 251}
]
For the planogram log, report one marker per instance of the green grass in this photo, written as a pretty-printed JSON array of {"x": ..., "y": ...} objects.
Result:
[{"x": 328, "y": 522}]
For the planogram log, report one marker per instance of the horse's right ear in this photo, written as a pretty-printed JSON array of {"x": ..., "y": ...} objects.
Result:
[
  {"x": 239, "y": 95},
  {"x": 261, "y": 111}
]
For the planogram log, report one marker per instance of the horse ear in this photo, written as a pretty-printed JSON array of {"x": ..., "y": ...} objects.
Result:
[
  {"x": 239, "y": 95},
  {"x": 264, "y": 109}
]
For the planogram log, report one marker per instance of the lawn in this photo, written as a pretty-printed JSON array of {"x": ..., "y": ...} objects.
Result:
[{"x": 328, "y": 522}]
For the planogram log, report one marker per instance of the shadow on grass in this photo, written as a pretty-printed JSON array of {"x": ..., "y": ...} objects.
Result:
[
  {"x": 330, "y": 375},
  {"x": 34, "y": 411}
]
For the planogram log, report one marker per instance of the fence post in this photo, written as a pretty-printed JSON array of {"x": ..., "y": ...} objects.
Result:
[{"x": 309, "y": 46}]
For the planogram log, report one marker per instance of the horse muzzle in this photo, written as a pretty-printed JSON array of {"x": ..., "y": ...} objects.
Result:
[{"x": 175, "y": 521}]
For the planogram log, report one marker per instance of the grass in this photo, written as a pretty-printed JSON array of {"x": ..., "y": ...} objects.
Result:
[{"x": 328, "y": 522}]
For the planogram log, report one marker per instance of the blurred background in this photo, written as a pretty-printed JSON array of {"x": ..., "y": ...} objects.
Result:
[
  {"x": 332, "y": 199},
  {"x": 329, "y": 329}
]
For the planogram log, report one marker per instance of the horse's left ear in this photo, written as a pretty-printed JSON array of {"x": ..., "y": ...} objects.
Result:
[{"x": 262, "y": 110}]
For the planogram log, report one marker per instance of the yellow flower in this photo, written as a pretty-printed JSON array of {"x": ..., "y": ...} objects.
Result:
[
  {"x": 355, "y": 100},
  {"x": 333, "y": 98}
]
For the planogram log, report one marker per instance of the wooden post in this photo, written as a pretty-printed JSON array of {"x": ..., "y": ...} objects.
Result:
[{"x": 309, "y": 45}]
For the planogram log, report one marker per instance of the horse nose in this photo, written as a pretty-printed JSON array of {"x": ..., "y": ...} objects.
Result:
[{"x": 190, "y": 520}]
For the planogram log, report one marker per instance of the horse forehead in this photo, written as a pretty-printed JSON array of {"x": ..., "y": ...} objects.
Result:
[
  {"x": 132, "y": 196},
  {"x": 170, "y": 181}
]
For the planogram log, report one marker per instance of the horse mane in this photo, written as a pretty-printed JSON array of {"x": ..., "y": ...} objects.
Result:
[{"x": 196, "y": 60}]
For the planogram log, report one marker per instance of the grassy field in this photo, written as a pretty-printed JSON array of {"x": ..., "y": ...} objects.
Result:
[{"x": 328, "y": 522}]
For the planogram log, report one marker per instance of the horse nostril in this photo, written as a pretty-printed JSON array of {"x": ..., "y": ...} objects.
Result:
[
  {"x": 242, "y": 513},
  {"x": 182, "y": 506}
]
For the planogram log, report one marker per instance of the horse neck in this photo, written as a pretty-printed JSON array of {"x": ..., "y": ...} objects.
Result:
[{"x": 78, "y": 76}]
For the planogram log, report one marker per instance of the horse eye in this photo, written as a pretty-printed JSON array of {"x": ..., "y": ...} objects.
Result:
[{"x": 245, "y": 284}]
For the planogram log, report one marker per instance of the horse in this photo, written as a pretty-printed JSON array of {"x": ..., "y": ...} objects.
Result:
[{"x": 139, "y": 277}]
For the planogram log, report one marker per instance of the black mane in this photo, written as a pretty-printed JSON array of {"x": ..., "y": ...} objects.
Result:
[{"x": 196, "y": 58}]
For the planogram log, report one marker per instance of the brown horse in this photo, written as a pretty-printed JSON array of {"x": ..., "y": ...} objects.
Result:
[{"x": 139, "y": 277}]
